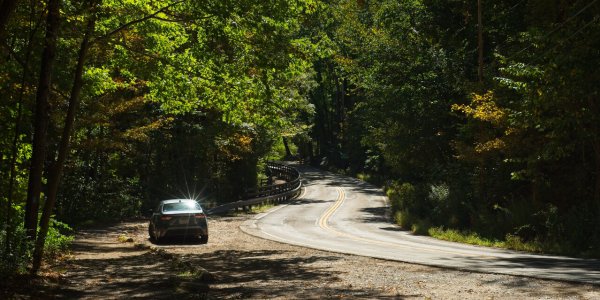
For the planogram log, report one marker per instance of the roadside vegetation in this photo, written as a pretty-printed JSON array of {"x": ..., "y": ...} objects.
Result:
[{"x": 479, "y": 118}]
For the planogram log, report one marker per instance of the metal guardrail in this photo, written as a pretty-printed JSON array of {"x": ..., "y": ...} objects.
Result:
[{"x": 274, "y": 193}]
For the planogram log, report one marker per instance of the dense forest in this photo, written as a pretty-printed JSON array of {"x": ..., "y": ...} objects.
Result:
[{"x": 479, "y": 118}]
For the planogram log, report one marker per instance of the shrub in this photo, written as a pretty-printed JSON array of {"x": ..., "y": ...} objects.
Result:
[
  {"x": 439, "y": 195},
  {"x": 58, "y": 240},
  {"x": 18, "y": 256},
  {"x": 580, "y": 228},
  {"x": 516, "y": 243},
  {"x": 15, "y": 258},
  {"x": 402, "y": 196},
  {"x": 421, "y": 227},
  {"x": 403, "y": 219}
]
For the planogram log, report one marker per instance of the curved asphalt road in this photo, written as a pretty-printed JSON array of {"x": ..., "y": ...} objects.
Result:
[{"x": 342, "y": 214}]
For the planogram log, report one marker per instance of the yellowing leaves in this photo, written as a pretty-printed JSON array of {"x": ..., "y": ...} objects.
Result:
[
  {"x": 495, "y": 144},
  {"x": 243, "y": 142},
  {"x": 234, "y": 147},
  {"x": 141, "y": 133},
  {"x": 482, "y": 108},
  {"x": 126, "y": 106}
]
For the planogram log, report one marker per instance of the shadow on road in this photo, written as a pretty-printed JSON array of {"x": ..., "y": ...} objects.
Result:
[
  {"x": 104, "y": 268},
  {"x": 113, "y": 270},
  {"x": 238, "y": 273},
  {"x": 587, "y": 270},
  {"x": 376, "y": 215}
]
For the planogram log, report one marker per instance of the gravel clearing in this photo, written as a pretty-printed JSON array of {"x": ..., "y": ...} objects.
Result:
[{"x": 234, "y": 265}]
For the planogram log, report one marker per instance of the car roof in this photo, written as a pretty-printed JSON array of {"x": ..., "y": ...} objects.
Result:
[{"x": 176, "y": 201}]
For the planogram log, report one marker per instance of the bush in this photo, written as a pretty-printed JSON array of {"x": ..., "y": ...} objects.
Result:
[
  {"x": 404, "y": 219},
  {"x": 18, "y": 256},
  {"x": 58, "y": 240},
  {"x": 580, "y": 228},
  {"x": 403, "y": 197},
  {"x": 411, "y": 207},
  {"x": 421, "y": 227},
  {"x": 516, "y": 243}
]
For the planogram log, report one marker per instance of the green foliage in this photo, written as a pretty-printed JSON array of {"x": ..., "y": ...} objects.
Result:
[
  {"x": 58, "y": 240},
  {"x": 16, "y": 258},
  {"x": 409, "y": 206},
  {"x": 421, "y": 227},
  {"x": 516, "y": 243},
  {"x": 404, "y": 219},
  {"x": 180, "y": 99},
  {"x": 277, "y": 151},
  {"x": 472, "y": 238},
  {"x": 402, "y": 196},
  {"x": 261, "y": 208},
  {"x": 187, "y": 98},
  {"x": 514, "y": 155}
]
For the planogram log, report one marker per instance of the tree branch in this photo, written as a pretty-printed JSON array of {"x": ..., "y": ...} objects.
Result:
[
  {"x": 131, "y": 23},
  {"x": 161, "y": 59}
]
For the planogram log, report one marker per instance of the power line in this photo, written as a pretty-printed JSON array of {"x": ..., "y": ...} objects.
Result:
[
  {"x": 559, "y": 27},
  {"x": 595, "y": 19}
]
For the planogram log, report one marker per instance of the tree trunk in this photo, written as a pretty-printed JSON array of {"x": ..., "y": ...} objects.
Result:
[
  {"x": 41, "y": 119},
  {"x": 6, "y": 9},
  {"x": 12, "y": 176},
  {"x": 15, "y": 148},
  {"x": 310, "y": 151},
  {"x": 58, "y": 166},
  {"x": 288, "y": 153},
  {"x": 480, "y": 40},
  {"x": 597, "y": 184}
]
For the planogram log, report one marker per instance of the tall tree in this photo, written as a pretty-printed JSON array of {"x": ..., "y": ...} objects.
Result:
[
  {"x": 6, "y": 9},
  {"x": 69, "y": 123},
  {"x": 41, "y": 118},
  {"x": 480, "y": 41}
]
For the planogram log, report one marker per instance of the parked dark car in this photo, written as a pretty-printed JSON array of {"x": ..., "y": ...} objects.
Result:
[{"x": 178, "y": 218}]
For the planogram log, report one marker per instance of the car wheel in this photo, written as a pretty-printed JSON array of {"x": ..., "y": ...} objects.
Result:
[
  {"x": 153, "y": 237},
  {"x": 204, "y": 239},
  {"x": 151, "y": 233}
]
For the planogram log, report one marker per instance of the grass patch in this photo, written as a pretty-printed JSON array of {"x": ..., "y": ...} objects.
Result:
[
  {"x": 421, "y": 227},
  {"x": 515, "y": 243},
  {"x": 472, "y": 238},
  {"x": 403, "y": 219},
  {"x": 465, "y": 237},
  {"x": 373, "y": 179},
  {"x": 364, "y": 177},
  {"x": 195, "y": 274},
  {"x": 257, "y": 209}
]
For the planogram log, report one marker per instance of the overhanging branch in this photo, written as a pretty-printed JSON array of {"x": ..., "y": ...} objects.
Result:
[{"x": 131, "y": 23}]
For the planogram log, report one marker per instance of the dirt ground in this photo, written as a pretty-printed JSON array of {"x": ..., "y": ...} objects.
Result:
[{"x": 119, "y": 262}]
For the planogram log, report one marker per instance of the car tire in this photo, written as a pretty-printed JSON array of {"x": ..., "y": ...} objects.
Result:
[
  {"x": 204, "y": 239},
  {"x": 153, "y": 238}
]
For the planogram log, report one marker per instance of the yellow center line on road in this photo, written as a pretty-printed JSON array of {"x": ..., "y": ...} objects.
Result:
[
  {"x": 324, "y": 224},
  {"x": 325, "y": 217}
]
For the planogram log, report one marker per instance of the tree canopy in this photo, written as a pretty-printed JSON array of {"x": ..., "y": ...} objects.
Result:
[{"x": 475, "y": 115}]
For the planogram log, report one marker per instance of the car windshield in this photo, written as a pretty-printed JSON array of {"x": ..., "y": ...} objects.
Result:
[{"x": 181, "y": 206}]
